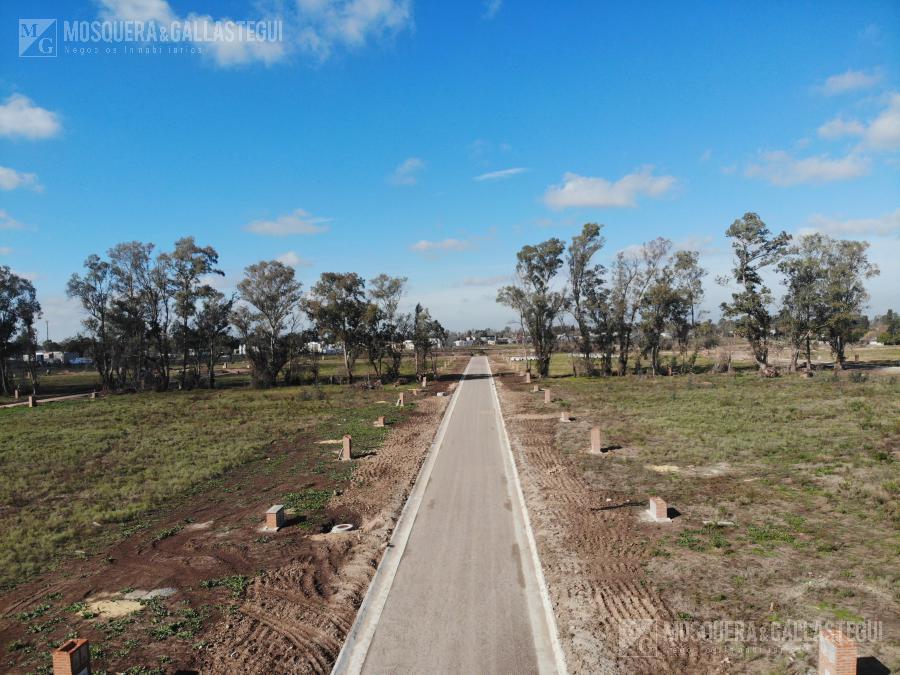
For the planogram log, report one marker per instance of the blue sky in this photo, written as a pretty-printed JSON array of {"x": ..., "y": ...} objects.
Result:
[{"x": 433, "y": 140}]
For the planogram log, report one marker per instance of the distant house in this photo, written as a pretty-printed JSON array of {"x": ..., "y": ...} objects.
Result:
[{"x": 56, "y": 358}]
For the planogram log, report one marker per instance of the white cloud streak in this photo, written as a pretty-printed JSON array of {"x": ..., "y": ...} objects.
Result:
[
  {"x": 491, "y": 8},
  {"x": 445, "y": 245},
  {"x": 851, "y": 80},
  {"x": 881, "y": 226},
  {"x": 291, "y": 259},
  {"x": 578, "y": 190},
  {"x": 10, "y": 179},
  {"x": 881, "y": 134},
  {"x": 500, "y": 175},
  {"x": 782, "y": 169},
  {"x": 7, "y": 222},
  {"x": 297, "y": 222},
  {"x": 407, "y": 172},
  {"x": 20, "y": 118}
]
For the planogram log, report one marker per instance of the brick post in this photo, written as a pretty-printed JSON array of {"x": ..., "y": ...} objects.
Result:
[
  {"x": 379, "y": 422},
  {"x": 424, "y": 381},
  {"x": 527, "y": 378},
  {"x": 546, "y": 396},
  {"x": 32, "y": 402},
  {"x": 837, "y": 653},
  {"x": 275, "y": 517},
  {"x": 346, "y": 448},
  {"x": 535, "y": 389},
  {"x": 658, "y": 510},
  {"x": 72, "y": 657},
  {"x": 400, "y": 400}
]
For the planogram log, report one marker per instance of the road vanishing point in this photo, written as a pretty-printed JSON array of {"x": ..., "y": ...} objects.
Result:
[{"x": 460, "y": 589}]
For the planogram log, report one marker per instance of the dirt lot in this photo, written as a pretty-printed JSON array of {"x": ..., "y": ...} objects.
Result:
[
  {"x": 244, "y": 600},
  {"x": 787, "y": 494}
]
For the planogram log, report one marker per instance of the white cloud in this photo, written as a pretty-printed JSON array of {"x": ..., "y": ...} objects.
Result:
[
  {"x": 7, "y": 222},
  {"x": 5, "y": 250},
  {"x": 578, "y": 190},
  {"x": 298, "y": 222},
  {"x": 782, "y": 169},
  {"x": 10, "y": 179},
  {"x": 707, "y": 155},
  {"x": 883, "y": 133},
  {"x": 852, "y": 80},
  {"x": 19, "y": 117},
  {"x": 503, "y": 173},
  {"x": 407, "y": 172},
  {"x": 839, "y": 127},
  {"x": 491, "y": 7},
  {"x": 324, "y": 25},
  {"x": 880, "y": 134},
  {"x": 314, "y": 27},
  {"x": 881, "y": 226},
  {"x": 425, "y": 246},
  {"x": 291, "y": 259}
]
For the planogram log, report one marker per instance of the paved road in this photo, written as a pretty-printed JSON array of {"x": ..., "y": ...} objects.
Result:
[{"x": 465, "y": 598}]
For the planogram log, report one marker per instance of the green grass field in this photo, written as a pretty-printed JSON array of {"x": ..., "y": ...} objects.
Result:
[
  {"x": 804, "y": 471},
  {"x": 112, "y": 461}
]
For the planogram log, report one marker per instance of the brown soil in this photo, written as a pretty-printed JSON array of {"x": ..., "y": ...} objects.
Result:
[
  {"x": 305, "y": 588},
  {"x": 594, "y": 548}
]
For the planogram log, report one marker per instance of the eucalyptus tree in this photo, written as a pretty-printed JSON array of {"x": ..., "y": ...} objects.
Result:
[
  {"x": 633, "y": 272},
  {"x": 535, "y": 297},
  {"x": 189, "y": 264},
  {"x": 211, "y": 327},
  {"x": 688, "y": 279},
  {"x": 755, "y": 248},
  {"x": 337, "y": 306},
  {"x": 583, "y": 278},
  {"x": 826, "y": 292},
  {"x": 386, "y": 328},
  {"x": 19, "y": 308},
  {"x": 92, "y": 289},
  {"x": 270, "y": 298}
]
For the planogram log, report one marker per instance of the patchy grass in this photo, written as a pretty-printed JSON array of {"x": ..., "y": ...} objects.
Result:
[
  {"x": 803, "y": 471},
  {"x": 80, "y": 474}
]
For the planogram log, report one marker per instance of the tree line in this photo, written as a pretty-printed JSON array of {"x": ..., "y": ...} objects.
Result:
[
  {"x": 623, "y": 312},
  {"x": 153, "y": 319}
]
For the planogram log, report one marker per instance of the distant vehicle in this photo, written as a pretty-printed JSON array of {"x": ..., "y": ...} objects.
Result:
[{"x": 81, "y": 361}]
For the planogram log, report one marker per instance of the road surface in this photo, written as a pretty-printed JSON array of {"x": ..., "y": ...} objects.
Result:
[{"x": 465, "y": 596}]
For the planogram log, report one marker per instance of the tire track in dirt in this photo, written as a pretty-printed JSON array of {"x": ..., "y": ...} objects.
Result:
[
  {"x": 610, "y": 619},
  {"x": 294, "y": 619}
]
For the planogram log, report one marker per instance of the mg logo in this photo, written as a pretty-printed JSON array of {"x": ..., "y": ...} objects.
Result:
[{"x": 37, "y": 37}]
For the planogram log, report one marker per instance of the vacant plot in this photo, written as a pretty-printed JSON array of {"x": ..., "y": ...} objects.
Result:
[
  {"x": 787, "y": 489},
  {"x": 78, "y": 474}
]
